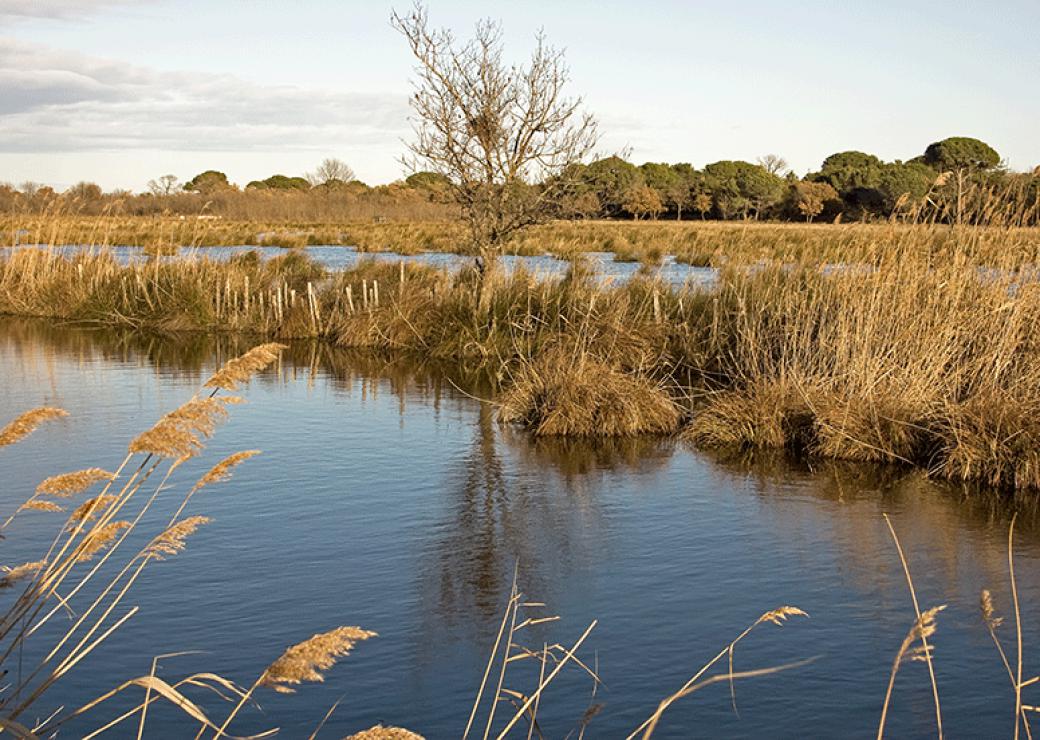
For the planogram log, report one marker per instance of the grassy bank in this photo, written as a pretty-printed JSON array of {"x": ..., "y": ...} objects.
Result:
[{"x": 915, "y": 357}]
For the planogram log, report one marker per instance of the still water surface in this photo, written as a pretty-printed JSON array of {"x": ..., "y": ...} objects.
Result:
[
  {"x": 387, "y": 498},
  {"x": 341, "y": 258}
]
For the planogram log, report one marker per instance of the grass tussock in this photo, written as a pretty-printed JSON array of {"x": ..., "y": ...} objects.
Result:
[{"x": 560, "y": 395}]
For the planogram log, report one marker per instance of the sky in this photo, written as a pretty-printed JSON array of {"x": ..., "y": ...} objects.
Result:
[{"x": 122, "y": 91}]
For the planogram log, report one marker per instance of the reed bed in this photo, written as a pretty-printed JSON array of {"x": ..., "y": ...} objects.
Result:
[{"x": 923, "y": 354}]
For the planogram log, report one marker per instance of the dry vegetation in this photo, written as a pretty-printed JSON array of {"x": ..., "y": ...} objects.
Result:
[{"x": 921, "y": 351}]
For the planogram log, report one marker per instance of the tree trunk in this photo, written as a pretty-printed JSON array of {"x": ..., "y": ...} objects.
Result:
[{"x": 486, "y": 265}]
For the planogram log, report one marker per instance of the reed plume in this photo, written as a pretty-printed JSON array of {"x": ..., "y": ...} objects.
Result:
[
  {"x": 240, "y": 369},
  {"x": 780, "y": 615},
  {"x": 91, "y": 507},
  {"x": 98, "y": 540},
  {"x": 986, "y": 609},
  {"x": 222, "y": 470},
  {"x": 172, "y": 540},
  {"x": 40, "y": 505},
  {"x": 179, "y": 434},
  {"x": 924, "y": 626},
  {"x": 17, "y": 573},
  {"x": 70, "y": 484},
  {"x": 306, "y": 660},
  {"x": 25, "y": 424}
]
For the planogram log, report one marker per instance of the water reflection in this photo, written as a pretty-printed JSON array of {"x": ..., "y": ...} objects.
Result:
[{"x": 944, "y": 526}]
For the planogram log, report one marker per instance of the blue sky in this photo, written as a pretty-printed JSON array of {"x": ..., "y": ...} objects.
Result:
[{"x": 121, "y": 91}]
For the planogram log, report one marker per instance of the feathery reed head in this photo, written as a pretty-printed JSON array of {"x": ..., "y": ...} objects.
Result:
[
  {"x": 780, "y": 615},
  {"x": 69, "y": 484},
  {"x": 986, "y": 607},
  {"x": 12, "y": 575},
  {"x": 222, "y": 470},
  {"x": 98, "y": 540},
  {"x": 923, "y": 628},
  {"x": 91, "y": 507},
  {"x": 39, "y": 505},
  {"x": 305, "y": 661},
  {"x": 179, "y": 433},
  {"x": 243, "y": 367},
  {"x": 172, "y": 540},
  {"x": 25, "y": 424}
]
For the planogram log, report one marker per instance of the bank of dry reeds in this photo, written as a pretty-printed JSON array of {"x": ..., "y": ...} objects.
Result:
[{"x": 917, "y": 353}]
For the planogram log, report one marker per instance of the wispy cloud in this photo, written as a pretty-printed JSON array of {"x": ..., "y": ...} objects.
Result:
[
  {"x": 58, "y": 101},
  {"x": 54, "y": 9}
]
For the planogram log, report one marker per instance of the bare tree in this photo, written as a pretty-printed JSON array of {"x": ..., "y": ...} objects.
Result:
[
  {"x": 774, "y": 164},
  {"x": 165, "y": 185},
  {"x": 504, "y": 135},
  {"x": 331, "y": 172},
  {"x": 30, "y": 188}
]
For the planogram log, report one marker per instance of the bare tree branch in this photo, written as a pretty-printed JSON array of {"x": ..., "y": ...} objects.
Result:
[{"x": 504, "y": 136}]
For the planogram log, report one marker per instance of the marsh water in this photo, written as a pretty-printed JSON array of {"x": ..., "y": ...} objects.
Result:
[
  {"x": 340, "y": 258},
  {"x": 388, "y": 496}
]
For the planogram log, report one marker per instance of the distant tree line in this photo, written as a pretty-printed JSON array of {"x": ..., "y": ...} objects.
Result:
[
  {"x": 956, "y": 180},
  {"x": 330, "y": 192}
]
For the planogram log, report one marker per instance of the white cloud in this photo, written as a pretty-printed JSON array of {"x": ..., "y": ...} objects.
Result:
[{"x": 57, "y": 101}]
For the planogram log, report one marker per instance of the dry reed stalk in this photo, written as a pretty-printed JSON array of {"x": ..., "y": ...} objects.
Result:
[
  {"x": 169, "y": 542},
  {"x": 923, "y": 627},
  {"x": 513, "y": 600},
  {"x": 543, "y": 683},
  {"x": 922, "y": 632},
  {"x": 93, "y": 528},
  {"x": 993, "y": 622},
  {"x": 776, "y": 616},
  {"x": 1018, "y": 625}
]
